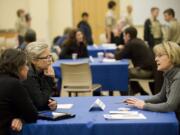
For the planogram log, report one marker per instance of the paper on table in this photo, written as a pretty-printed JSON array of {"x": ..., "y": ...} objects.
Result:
[
  {"x": 109, "y": 60},
  {"x": 120, "y": 116},
  {"x": 124, "y": 112},
  {"x": 109, "y": 45},
  {"x": 64, "y": 106}
]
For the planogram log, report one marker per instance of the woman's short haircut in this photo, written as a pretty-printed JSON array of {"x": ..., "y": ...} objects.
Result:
[
  {"x": 111, "y": 4},
  {"x": 172, "y": 49},
  {"x": 11, "y": 60},
  {"x": 35, "y": 49}
]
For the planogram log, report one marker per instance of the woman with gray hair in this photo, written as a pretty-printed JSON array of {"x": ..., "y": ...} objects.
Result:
[
  {"x": 40, "y": 80},
  {"x": 167, "y": 100}
]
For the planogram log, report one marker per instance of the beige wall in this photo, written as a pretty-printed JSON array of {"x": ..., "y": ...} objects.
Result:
[
  {"x": 8, "y": 12},
  {"x": 39, "y": 11},
  {"x": 60, "y": 16}
]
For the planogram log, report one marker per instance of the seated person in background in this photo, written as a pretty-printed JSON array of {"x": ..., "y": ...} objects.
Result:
[
  {"x": 117, "y": 37},
  {"x": 30, "y": 36},
  {"x": 167, "y": 100},
  {"x": 136, "y": 50},
  {"x": 16, "y": 106},
  {"x": 75, "y": 43},
  {"x": 117, "y": 33},
  {"x": 59, "y": 41},
  {"x": 86, "y": 28},
  {"x": 40, "y": 81},
  {"x": 63, "y": 38}
]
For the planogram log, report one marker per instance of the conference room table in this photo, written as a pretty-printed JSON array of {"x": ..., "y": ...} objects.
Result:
[
  {"x": 93, "y": 122},
  {"x": 111, "y": 75},
  {"x": 93, "y": 50}
]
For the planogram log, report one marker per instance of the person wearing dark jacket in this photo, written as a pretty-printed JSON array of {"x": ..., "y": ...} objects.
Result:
[
  {"x": 141, "y": 56},
  {"x": 136, "y": 50},
  {"x": 30, "y": 36},
  {"x": 40, "y": 80},
  {"x": 152, "y": 29},
  {"x": 16, "y": 106},
  {"x": 86, "y": 28},
  {"x": 75, "y": 44}
]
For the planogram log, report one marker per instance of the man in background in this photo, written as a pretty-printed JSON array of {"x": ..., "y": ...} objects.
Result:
[
  {"x": 30, "y": 36},
  {"x": 20, "y": 25},
  {"x": 172, "y": 30},
  {"x": 152, "y": 29},
  {"x": 129, "y": 17},
  {"x": 141, "y": 56},
  {"x": 110, "y": 19},
  {"x": 86, "y": 28}
]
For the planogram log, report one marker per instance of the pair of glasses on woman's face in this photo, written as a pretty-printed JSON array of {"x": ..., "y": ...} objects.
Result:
[
  {"x": 48, "y": 57},
  {"x": 160, "y": 55}
]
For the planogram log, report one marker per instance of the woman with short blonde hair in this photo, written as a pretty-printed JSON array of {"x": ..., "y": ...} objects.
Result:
[
  {"x": 171, "y": 49},
  {"x": 167, "y": 100},
  {"x": 40, "y": 80}
]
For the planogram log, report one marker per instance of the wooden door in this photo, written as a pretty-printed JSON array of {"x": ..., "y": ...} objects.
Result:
[{"x": 97, "y": 10}]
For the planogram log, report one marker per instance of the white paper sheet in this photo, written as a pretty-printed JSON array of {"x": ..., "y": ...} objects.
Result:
[
  {"x": 109, "y": 60},
  {"x": 122, "y": 116},
  {"x": 124, "y": 112},
  {"x": 64, "y": 106}
]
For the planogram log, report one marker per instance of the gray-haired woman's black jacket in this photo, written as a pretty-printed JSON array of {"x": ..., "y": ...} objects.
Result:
[{"x": 39, "y": 88}]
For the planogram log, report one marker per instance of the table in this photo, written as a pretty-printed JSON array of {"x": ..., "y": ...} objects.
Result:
[
  {"x": 111, "y": 75},
  {"x": 93, "y": 123},
  {"x": 93, "y": 50}
]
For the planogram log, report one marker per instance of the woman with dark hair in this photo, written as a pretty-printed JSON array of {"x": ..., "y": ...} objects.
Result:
[
  {"x": 75, "y": 44},
  {"x": 15, "y": 104}
]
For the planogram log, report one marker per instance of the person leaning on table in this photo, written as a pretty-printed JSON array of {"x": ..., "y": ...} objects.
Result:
[
  {"x": 167, "y": 100},
  {"x": 15, "y": 103},
  {"x": 40, "y": 81}
]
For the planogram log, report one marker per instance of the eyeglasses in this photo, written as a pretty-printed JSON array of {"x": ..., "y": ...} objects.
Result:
[
  {"x": 160, "y": 55},
  {"x": 49, "y": 57}
]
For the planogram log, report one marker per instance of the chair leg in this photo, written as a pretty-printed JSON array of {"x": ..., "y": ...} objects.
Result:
[
  {"x": 76, "y": 94},
  {"x": 69, "y": 94},
  {"x": 110, "y": 93}
]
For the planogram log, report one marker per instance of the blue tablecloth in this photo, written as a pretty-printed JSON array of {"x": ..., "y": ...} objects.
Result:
[
  {"x": 111, "y": 75},
  {"x": 92, "y": 51},
  {"x": 93, "y": 123}
]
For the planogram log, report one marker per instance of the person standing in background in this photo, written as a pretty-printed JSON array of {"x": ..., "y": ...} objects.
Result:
[
  {"x": 110, "y": 19},
  {"x": 172, "y": 30},
  {"x": 20, "y": 25},
  {"x": 129, "y": 17},
  {"x": 86, "y": 28},
  {"x": 28, "y": 20},
  {"x": 152, "y": 29}
]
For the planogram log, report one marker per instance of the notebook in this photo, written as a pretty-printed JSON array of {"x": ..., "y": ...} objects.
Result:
[{"x": 50, "y": 115}]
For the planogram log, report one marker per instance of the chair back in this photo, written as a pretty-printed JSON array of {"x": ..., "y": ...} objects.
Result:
[{"x": 76, "y": 76}]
